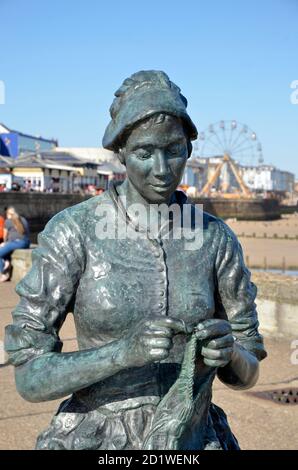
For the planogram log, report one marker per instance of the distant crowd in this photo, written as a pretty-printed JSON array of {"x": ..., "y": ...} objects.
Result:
[{"x": 28, "y": 187}]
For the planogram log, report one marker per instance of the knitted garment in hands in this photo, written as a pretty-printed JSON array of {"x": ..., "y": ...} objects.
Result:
[{"x": 176, "y": 410}]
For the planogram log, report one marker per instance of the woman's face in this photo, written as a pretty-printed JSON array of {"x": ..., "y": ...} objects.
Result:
[
  {"x": 155, "y": 158},
  {"x": 9, "y": 214}
]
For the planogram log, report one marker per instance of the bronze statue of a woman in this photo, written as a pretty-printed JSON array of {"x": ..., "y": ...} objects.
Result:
[{"x": 155, "y": 322}]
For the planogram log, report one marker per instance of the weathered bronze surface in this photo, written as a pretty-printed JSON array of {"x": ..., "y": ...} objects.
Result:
[{"x": 156, "y": 320}]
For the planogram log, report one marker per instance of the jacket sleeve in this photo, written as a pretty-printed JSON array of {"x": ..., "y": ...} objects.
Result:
[
  {"x": 235, "y": 293},
  {"x": 46, "y": 291}
]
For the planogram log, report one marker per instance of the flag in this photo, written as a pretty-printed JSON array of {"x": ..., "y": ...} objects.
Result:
[{"x": 9, "y": 144}]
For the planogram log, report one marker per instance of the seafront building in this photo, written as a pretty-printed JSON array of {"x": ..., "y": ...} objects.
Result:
[{"x": 57, "y": 171}]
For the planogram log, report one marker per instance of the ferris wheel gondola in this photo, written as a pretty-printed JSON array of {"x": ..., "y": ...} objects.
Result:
[{"x": 231, "y": 138}]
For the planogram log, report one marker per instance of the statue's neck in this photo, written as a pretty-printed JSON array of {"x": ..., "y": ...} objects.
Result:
[{"x": 132, "y": 196}]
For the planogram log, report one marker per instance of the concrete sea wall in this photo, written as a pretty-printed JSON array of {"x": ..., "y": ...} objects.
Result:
[
  {"x": 277, "y": 304},
  {"x": 42, "y": 206},
  {"x": 241, "y": 209}
]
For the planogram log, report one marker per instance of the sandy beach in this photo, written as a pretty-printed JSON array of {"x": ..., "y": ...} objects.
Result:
[{"x": 269, "y": 244}]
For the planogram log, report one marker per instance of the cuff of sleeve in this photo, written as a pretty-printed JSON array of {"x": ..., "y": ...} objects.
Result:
[
  {"x": 23, "y": 344},
  {"x": 253, "y": 344}
]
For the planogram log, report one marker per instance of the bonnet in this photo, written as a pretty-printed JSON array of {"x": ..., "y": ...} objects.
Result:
[{"x": 142, "y": 95}]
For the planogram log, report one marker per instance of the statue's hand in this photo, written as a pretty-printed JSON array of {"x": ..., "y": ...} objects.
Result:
[
  {"x": 150, "y": 340},
  {"x": 218, "y": 342}
]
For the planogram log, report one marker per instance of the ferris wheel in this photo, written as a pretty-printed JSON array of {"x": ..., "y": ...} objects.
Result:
[{"x": 230, "y": 138}]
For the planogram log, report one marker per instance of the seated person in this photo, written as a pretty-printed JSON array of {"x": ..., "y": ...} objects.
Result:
[
  {"x": 2, "y": 222},
  {"x": 15, "y": 236}
]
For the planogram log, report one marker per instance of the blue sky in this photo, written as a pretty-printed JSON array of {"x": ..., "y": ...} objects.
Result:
[{"x": 61, "y": 62}]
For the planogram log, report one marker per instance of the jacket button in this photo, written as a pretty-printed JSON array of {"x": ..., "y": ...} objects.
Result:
[
  {"x": 161, "y": 269},
  {"x": 160, "y": 305}
]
